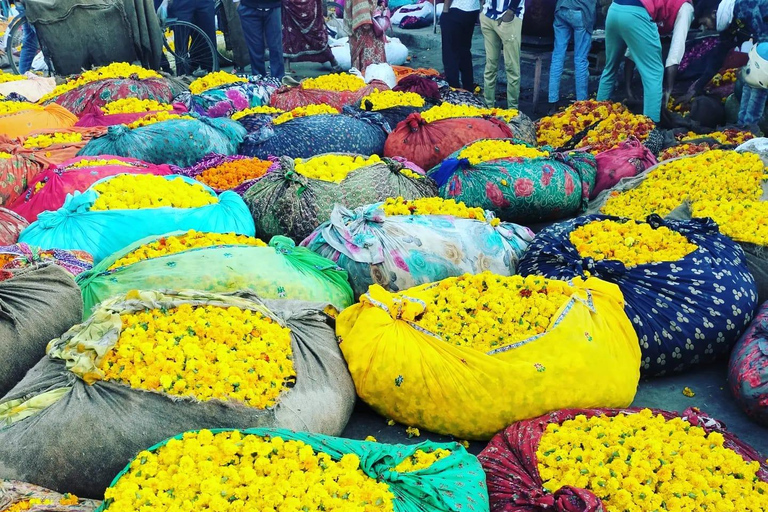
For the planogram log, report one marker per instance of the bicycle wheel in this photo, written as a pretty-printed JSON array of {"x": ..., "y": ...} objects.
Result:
[
  {"x": 188, "y": 50},
  {"x": 226, "y": 55},
  {"x": 14, "y": 45}
]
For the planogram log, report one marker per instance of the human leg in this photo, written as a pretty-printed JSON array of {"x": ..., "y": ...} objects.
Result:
[
  {"x": 511, "y": 33},
  {"x": 253, "y": 29},
  {"x": 274, "y": 36},
  {"x": 752, "y": 106},
  {"x": 448, "y": 35},
  {"x": 467, "y": 20},
  {"x": 492, "y": 50},
  {"x": 29, "y": 43},
  {"x": 614, "y": 51},
  {"x": 642, "y": 37},
  {"x": 582, "y": 43},
  {"x": 562, "y": 36}
]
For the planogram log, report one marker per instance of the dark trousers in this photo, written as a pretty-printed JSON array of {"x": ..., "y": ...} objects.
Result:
[
  {"x": 198, "y": 12},
  {"x": 260, "y": 25},
  {"x": 457, "y": 27}
]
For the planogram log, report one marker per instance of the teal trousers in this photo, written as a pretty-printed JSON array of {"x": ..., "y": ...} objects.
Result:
[{"x": 631, "y": 27}]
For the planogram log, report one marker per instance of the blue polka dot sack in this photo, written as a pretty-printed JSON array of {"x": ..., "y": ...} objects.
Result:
[{"x": 685, "y": 312}]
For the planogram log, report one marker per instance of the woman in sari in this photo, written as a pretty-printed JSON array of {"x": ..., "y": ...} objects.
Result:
[
  {"x": 305, "y": 38},
  {"x": 367, "y": 39}
]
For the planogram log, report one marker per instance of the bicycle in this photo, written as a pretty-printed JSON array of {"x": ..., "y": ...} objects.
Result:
[
  {"x": 226, "y": 56},
  {"x": 196, "y": 52},
  {"x": 14, "y": 45}
]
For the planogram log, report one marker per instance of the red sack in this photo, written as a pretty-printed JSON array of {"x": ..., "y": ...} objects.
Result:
[
  {"x": 428, "y": 144},
  {"x": 50, "y": 188},
  {"x": 419, "y": 84},
  {"x": 95, "y": 117},
  {"x": 289, "y": 98},
  {"x": 11, "y": 226},
  {"x": 17, "y": 171},
  {"x": 512, "y": 474},
  {"x": 629, "y": 159},
  {"x": 748, "y": 369}
]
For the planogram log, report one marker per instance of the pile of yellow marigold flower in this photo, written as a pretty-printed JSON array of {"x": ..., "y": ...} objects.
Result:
[
  {"x": 249, "y": 473},
  {"x": 743, "y": 221},
  {"x": 434, "y": 206},
  {"x": 8, "y": 77},
  {"x": 558, "y": 129},
  {"x": 616, "y": 128},
  {"x": 138, "y": 191},
  {"x": 213, "y": 80},
  {"x": 488, "y": 150},
  {"x": 642, "y": 462},
  {"x": 256, "y": 110},
  {"x": 450, "y": 111},
  {"x": 333, "y": 168},
  {"x": 134, "y": 105},
  {"x": 98, "y": 162},
  {"x": 175, "y": 244},
  {"x": 728, "y": 76},
  {"x": 421, "y": 460},
  {"x": 632, "y": 243},
  {"x": 486, "y": 312},
  {"x": 686, "y": 149},
  {"x": 309, "y": 110},
  {"x": 380, "y": 100},
  {"x": 231, "y": 174},
  {"x": 66, "y": 500},
  {"x": 5, "y": 156},
  {"x": 338, "y": 82},
  {"x": 158, "y": 117},
  {"x": 46, "y": 140},
  {"x": 731, "y": 136},
  {"x": 11, "y": 107},
  {"x": 203, "y": 352},
  {"x": 114, "y": 70}
]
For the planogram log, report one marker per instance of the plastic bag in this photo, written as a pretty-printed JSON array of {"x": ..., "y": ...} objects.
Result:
[
  {"x": 48, "y": 190},
  {"x": 629, "y": 159},
  {"x": 685, "y": 312},
  {"x": 401, "y": 251},
  {"x": 286, "y": 202},
  {"x": 24, "y": 122},
  {"x": 17, "y": 172},
  {"x": 414, "y": 377},
  {"x": 521, "y": 190},
  {"x": 512, "y": 472},
  {"x": 11, "y": 226},
  {"x": 289, "y": 98},
  {"x": 24, "y": 255},
  {"x": 280, "y": 271},
  {"x": 748, "y": 369},
  {"x": 101, "y": 233},
  {"x": 39, "y": 303},
  {"x": 13, "y": 492},
  {"x": 181, "y": 142},
  {"x": 454, "y": 483},
  {"x": 382, "y": 72},
  {"x": 52, "y": 407}
]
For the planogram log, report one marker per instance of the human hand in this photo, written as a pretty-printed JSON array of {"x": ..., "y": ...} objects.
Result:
[{"x": 508, "y": 16}]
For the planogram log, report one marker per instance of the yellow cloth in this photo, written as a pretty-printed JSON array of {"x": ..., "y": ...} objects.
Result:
[{"x": 589, "y": 357}]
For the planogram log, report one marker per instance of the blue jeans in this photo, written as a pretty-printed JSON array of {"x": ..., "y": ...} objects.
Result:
[
  {"x": 258, "y": 25},
  {"x": 752, "y": 105},
  {"x": 29, "y": 44},
  {"x": 570, "y": 22}
]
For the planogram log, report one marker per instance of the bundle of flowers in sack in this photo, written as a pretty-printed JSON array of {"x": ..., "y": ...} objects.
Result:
[
  {"x": 337, "y": 90},
  {"x": 18, "y": 496},
  {"x": 221, "y": 94},
  {"x": 687, "y": 288},
  {"x": 119, "y": 210},
  {"x": 126, "y": 111},
  {"x": 516, "y": 181},
  {"x": 20, "y": 118},
  {"x": 298, "y": 195},
  {"x": 150, "y": 365},
  {"x": 178, "y": 140},
  {"x": 748, "y": 368},
  {"x": 729, "y": 137},
  {"x": 59, "y": 145},
  {"x": 40, "y": 302},
  {"x": 686, "y": 149},
  {"x": 18, "y": 169},
  {"x": 727, "y": 186},
  {"x": 614, "y": 129},
  {"x": 394, "y": 106},
  {"x": 48, "y": 190},
  {"x": 221, "y": 172},
  {"x": 21, "y": 255},
  {"x": 626, "y": 160},
  {"x": 560, "y": 129},
  {"x": 623, "y": 459},
  {"x": 95, "y": 88},
  {"x": 336, "y": 474},
  {"x": 469, "y": 354},
  {"x": 255, "y": 117},
  {"x": 217, "y": 263},
  {"x": 11, "y": 226},
  {"x": 29, "y": 86},
  {"x": 322, "y": 131},
  {"x": 401, "y": 243}
]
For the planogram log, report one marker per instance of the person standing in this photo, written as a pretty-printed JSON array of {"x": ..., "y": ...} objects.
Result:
[
  {"x": 457, "y": 25},
  {"x": 755, "y": 93},
  {"x": 502, "y": 25},
  {"x": 29, "y": 44},
  {"x": 261, "y": 20},
  {"x": 198, "y": 12},
  {"x": 305, "y": 37},
  {"x": 572, "y": 18},
  {"x": 366, "y": 21}
]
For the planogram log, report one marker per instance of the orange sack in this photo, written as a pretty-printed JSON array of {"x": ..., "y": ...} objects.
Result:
[{"x": 24, "y": 122}]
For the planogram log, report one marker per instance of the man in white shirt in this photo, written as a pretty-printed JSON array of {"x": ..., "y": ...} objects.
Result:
[{"x": 502, "y": 26}]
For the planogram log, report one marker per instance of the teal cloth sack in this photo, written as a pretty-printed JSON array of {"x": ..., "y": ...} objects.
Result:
[
  {"x": 103, "y": 232},
  {"x": 279, "y": 271},
  {"x": 181, "y": 142},
  {"x": 521, "y": 189},
  {"x": 454, "y": 483}
]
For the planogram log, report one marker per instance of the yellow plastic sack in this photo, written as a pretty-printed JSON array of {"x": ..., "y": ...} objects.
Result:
[{"x": 588, "y": 357}]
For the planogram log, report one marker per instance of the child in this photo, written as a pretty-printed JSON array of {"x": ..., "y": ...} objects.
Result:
[{"x": 755, "y": 94}]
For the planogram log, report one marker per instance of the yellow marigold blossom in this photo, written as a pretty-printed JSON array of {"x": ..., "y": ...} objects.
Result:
[
  {"x": 717, "y": 175},
  {"x": 66, "y": 500},
  {"x": 632, "y": 243},
  {"x": 743, "y": 221},
  {"x": 641, "y": 462},
  {"x": 212, "y": 80},
  {"x": 391, "y": 423},
  {"x": 49, "y": 139},
  {"x": 157, "y": 117},
  {"x": 558, "y": 129},
  {"x": 729, "y": 76},
  {"x": 134, "y": 105},
  {"x": 309, "y": 110},
  {"x": 138, "y": 191},
  {"x": 98, "y": 162},
  {"x": 256, "y": 110},
  {"x": 731, "y": 137},
  {"x": 371, "y": 439},
  {"x": 233, "y": 471},
  {"x": 614, "y": 129},
  {"x": 8, "y": 77},
  {"x": 434, "y": 206},
  {"x": 334, "y": 82},
  {"x": 5, "y": 156},
  {"x": 411, "y": 174},
  {"x": 488, "y": 150},
  {"x": 114, "y": 70},
  {"x": 688, "y": 392},
  {"x": 175, "y": 244},
  {"x": 11, "y": 107},
  {"x": 413, "y": 432},
  {"x": 421, "y": 460},
  {"x": 381, "y": 100},
  {"x": 333, "y": 168},
  {"x": 450, "y": 111},
  {"x": 487, "y": 311},
  {"x": 203, "y": 352}
]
